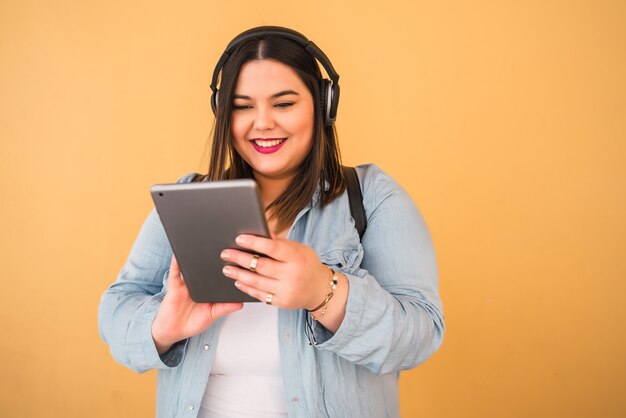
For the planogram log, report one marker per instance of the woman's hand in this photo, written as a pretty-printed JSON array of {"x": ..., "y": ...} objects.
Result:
[
  {"x": 179, "y": 317},
  {"x": 291, "y": 272}
]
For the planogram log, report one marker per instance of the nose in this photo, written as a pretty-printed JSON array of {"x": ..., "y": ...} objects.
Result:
[{"x": 264, "y": 119}]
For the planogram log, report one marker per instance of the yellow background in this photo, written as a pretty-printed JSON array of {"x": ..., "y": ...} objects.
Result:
[{"x": 505, "y": 120}]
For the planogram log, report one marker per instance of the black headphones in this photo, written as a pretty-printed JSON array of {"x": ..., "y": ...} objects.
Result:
[{"x": 329, "y": 89}]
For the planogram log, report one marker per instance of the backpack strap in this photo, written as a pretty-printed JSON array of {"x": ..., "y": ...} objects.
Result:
[{"x": 356, "y": 199}]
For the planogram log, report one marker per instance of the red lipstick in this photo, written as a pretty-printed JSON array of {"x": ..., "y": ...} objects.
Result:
[{"x": 268, "y": 145}]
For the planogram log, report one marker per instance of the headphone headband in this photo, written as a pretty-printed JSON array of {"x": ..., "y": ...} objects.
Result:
[{"x": 329, "y": 89}]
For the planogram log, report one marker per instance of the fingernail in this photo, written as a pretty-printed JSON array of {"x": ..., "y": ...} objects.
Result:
[
  {"x": 241, "y": 240},
  {"x": 237, "y": 285},
  {"x": 227, "y": 270},
  {"x": 225, "y": 255}
]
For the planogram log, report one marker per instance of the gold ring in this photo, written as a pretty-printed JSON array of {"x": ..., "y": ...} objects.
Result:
[
  {"x": 268, "y": 298},
  {"x": 253, "y": 263}
]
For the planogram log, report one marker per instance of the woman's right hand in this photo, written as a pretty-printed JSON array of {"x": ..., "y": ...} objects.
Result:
[{"x": 179, "y": 317}]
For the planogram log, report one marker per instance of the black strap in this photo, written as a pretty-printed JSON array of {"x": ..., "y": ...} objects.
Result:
[{"x": 356, "y": 199}]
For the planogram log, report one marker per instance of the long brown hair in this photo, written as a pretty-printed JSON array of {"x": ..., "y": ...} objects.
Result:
[{"x": 321, "y": 167}]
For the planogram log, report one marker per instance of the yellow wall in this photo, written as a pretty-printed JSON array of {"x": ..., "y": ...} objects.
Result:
[{"x": 505, "y": 120}]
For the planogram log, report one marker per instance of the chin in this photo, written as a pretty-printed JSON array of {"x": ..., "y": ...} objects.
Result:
[{"x": 274, "y": 172}]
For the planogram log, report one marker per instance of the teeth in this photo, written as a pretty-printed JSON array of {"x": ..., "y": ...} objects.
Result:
[{"x": 267, "y": 144}]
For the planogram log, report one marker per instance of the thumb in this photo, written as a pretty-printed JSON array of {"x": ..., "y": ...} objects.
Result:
[
  {"x": 218, "y": 310},
  {"x": 174, "y": 268},
  {"x": 174, "y": 276}
]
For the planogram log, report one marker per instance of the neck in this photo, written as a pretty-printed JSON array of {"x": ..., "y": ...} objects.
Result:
[{"x": 270, "y": 188}]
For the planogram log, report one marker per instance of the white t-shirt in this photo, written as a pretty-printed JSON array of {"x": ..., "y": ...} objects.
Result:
[{"x": 246, "y": 378}]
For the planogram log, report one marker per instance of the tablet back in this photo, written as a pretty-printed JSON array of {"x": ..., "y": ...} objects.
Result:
[{"x": 202, "y": 219}]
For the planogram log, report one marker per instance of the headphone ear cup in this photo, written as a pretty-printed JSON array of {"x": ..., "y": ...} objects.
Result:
[
  {"x": 324, "y": 99},
  {"x": 214, "y": 101},
  {"x": 333, "y": 98}
]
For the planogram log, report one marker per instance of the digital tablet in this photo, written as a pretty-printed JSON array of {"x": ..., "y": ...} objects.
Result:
[{"x": 202, "y": 219}]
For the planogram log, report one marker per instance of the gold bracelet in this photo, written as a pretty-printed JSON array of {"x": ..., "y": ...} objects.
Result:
[{"x": 332, "y": 285}]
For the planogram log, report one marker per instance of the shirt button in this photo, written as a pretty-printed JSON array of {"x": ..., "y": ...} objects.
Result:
[
  {"x": 295, "y": 399},
  {"x": 190, "y": 407},
  {"x": 287, "y": 335},
  {"x": 206, "y": 347}
]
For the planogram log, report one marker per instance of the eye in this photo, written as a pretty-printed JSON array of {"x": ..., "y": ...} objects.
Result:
[
  {"x": 283, "y": 105},
  {"x": 241, "y": 107}
]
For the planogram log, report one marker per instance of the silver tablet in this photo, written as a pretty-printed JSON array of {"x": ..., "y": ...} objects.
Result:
[{"x": 202, "y": 219}]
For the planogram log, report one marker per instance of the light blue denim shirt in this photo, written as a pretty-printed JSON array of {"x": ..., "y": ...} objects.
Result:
[{"x": 393, "y": 319}]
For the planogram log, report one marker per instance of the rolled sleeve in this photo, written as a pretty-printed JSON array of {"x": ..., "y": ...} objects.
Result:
[
  {"x": 128, "y": 307},
  {"x": 394, "y": 318},
  {"x": 142, "y": 352}
]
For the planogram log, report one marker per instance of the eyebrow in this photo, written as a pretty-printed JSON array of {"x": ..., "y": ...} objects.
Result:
[{"x": 273, "y": 96}]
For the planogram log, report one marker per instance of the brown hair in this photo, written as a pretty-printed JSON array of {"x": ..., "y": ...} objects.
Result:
[{"x": 321, "y": 167}]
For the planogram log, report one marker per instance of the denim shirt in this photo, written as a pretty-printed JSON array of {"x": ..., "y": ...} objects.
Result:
[{"x": 393, "y": 318}]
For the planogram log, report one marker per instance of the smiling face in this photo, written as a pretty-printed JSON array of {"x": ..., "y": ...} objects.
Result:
[{"x": 272, "y": 119}]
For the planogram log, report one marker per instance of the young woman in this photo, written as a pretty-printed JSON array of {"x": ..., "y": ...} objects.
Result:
[{"x": 341, "y": 317}]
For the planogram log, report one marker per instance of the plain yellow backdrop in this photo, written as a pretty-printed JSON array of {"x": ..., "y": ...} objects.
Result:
[{"x": 504, "y": 120}]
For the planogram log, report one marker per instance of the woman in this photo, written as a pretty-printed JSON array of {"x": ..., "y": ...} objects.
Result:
[{"x": 342, "y": 316}]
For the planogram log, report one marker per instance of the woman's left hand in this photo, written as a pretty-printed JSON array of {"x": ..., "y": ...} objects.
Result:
[{"x": 288, "y": 271}]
